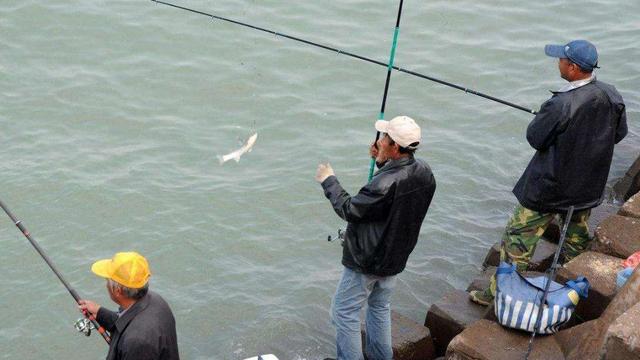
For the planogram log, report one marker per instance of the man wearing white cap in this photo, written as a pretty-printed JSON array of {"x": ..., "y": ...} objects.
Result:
[{"x": 384, "y": 223}]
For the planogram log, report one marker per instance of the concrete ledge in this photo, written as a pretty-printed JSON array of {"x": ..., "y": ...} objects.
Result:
[
  {"x": 486, "y": 340},
  {"x": 450, "y": 316},
  {"x": 621, "y": 342},
  {"x": 631, "y": 208},
  {"x": 410, "y": 340},
  {"x": 601, "y": 271},
  {"x": 600, "y": 213},
  {"x": 618, "y": 236}
]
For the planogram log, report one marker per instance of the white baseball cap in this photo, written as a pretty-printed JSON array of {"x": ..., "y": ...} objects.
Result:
[{"x": 402, "y": 129}]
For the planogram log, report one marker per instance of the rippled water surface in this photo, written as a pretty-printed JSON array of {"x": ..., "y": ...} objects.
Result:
[{"x": 112, "y": 114}]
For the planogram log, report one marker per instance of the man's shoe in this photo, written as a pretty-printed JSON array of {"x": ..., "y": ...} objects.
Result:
[{"x": 483, "y": 298}]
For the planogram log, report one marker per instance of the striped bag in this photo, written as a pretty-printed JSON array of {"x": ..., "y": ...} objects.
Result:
[{"x": 517, "y": 299}]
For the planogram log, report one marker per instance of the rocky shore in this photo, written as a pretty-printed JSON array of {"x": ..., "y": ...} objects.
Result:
[{"x": 604, "y": 326}]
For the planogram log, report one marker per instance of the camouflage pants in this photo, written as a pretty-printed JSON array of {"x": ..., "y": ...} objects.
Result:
[{"x": 525, "y": 229}]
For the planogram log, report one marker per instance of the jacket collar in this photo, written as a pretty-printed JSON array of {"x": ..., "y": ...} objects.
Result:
[
  {"x": 392, "y": 164},
  {"x": 576, "y": 84},
  {"x": 131, "y": 312}
]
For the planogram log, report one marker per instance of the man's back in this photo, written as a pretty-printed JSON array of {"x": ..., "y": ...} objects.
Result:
[{"x": 574, "y": 135}]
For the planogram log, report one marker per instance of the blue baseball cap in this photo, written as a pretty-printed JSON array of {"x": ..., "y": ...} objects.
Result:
[{"x": 580, "y": 52}]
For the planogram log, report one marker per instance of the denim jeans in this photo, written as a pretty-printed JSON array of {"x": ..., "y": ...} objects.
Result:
[{"x": 354, "y": 289}]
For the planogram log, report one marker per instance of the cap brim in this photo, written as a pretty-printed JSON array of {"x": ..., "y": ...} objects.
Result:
[
  {"x": 556, "y": 51},
  {"x": 102, "y": 268},
  {"x": 382, "y": 125}
]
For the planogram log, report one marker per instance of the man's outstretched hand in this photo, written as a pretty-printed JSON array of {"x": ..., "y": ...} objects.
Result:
[{"x": 323, "y": 172}]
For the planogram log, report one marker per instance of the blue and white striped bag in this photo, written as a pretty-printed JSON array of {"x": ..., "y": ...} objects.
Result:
[{"x": 517, "y": 299}]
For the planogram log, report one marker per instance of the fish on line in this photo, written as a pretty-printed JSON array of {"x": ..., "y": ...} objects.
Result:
[{"x": 235, "y": 155}]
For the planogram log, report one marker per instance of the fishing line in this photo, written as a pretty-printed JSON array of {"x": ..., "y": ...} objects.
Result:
[
  {"x": 350, "y": 54},
  {"x": 44, "y": 256},
  {"x": 392, "y": 56}
]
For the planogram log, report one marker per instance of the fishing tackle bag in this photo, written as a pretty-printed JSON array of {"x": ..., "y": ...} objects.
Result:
[{"x": 517, "y": 300}]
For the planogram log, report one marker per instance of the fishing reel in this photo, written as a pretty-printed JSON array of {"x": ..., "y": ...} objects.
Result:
[
  {"x": 340, "y": 237},
  {"x": 84, "y": 325}
]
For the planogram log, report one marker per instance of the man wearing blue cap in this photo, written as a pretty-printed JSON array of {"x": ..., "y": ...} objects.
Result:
[{"x": 574, "y": 134}]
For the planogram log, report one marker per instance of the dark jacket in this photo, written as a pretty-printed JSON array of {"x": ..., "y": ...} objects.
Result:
[
  {"x": 384, "y": 217},
  {"x": 146, "y": 331},
  {"x": 574, "y": 134}
]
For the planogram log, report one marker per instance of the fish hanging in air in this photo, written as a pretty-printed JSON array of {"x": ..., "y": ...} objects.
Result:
[{"x": 235, "y": 155}]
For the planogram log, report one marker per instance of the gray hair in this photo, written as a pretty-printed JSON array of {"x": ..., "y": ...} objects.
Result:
[{"x": 130, "y": 293}]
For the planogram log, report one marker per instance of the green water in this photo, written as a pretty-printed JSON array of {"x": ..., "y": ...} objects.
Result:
[{"x": 112, "y": 114}]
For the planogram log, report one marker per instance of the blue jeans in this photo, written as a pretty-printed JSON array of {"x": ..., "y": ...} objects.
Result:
[{"x": 353, "y": 290}]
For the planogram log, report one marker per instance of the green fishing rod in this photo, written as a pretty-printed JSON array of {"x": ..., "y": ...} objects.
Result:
[
  {"x": 350, "y": 54},
  {"x": 392, "y": 56},
  {"x": 82, "y": 325}
]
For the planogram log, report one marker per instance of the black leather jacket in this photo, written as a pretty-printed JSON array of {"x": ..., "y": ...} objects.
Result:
[
  {"x": 574, "y": 134},
  {"x": 384, "y": 217}
]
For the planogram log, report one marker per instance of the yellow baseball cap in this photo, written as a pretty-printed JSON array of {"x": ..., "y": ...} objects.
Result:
[{"x": 129, "y": 269}]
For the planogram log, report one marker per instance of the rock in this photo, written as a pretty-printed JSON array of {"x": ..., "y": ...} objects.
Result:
[
  {"x": 493, "y": 256},
  {"x": 586, "y": 341},
  {"x": 573, "y": 344},
  {"x": 542, "y": 257},
  {"x": 631, "y": 207},
  {"x": 630, "y": 182},
  {"x": 618, "y": 236},
  {"x": 486, "y": 340},
  {"x": 598, "y": 214},
  {"x": 621, "y": 341},
  {"x": 450, "y": 316},
  {"x": 482, "y": 282},
  {"x": 601, "y": 271},
  {"x": 410, "y": 340}
]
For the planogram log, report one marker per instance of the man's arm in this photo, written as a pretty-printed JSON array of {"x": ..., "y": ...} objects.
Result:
[
  {"x": 543, "y": 129},
  {"x": 368, "y": 205},
  {"x": 622, "y": 130}
]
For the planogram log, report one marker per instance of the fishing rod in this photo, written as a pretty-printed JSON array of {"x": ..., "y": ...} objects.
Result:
[
  {"x": 392, "y": 56},
  {"x": 350, "y": 54},
  {"x": 550, "y": 275},
  {"x": 80, "y": 325}
]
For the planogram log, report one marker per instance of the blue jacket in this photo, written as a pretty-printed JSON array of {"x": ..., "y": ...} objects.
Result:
[{"x": 574, "y": 134}]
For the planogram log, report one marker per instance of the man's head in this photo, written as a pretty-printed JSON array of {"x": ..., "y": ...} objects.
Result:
[
  {"x": 401, "y": 137},
  {"x": 127, "y": 275},
  {"x": 577, "y": 59}
]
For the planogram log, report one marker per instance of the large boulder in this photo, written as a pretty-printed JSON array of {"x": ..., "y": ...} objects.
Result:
[
  {"x": 629, "y": 185},
  {"x": 410, "y": 340},
  {"x": 618, "y": 236},
  {"x": 487, "y": 340},
  {"x": 587, "y": 341},
  {"x": 450, "y": 316},
  {"x": 631, "y": 207},
  {"x": 622, "y": 338},
  {"x": 601, "y": 270}
]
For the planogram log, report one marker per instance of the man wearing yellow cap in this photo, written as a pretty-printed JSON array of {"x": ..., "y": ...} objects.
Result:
[{"x": 144, "y": 327}]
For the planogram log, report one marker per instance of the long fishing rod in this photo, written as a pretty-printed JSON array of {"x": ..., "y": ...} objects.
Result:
[
  {"x": 392, "y": 56},
  {"x": 356, "y": 56},
  {"x": 550, "y": 276},
  {"x": 44, "y": 256}
]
